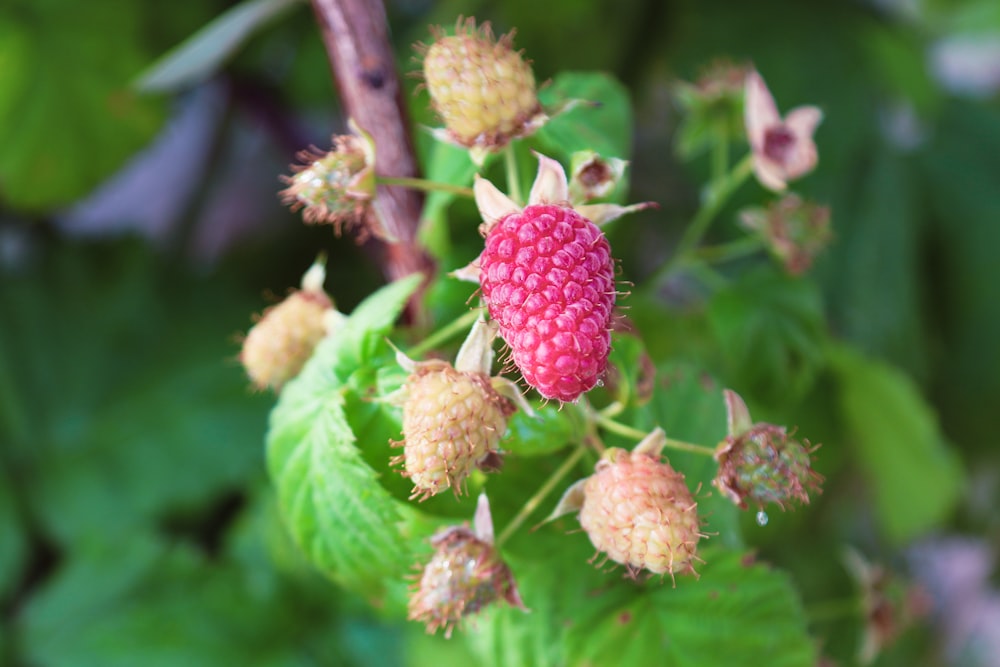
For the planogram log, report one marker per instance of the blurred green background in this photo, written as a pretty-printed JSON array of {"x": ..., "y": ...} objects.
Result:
[{"x": 140, "y": 230}]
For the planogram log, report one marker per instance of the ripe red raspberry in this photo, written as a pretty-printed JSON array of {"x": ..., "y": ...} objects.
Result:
[
  {"x": 548, "y": 280},
  {"x": 482, "y": 88},
  {"x": 452, "y": 423},
  {"x": 638, "y": 510}
]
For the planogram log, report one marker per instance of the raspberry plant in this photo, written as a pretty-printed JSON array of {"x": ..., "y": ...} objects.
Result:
[{"x": 573, "y": 389}]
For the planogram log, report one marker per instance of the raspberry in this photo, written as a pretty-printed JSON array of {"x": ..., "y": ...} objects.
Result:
[
  {"x": 452, "y": 422},
  {"x": 483, "y": 90},
  {"x": 278, "y": 346},
  {"x": 548, "y": 280},
  {"x": 638, "y": 510},
  {"x": 765, "y": 465},
  {"x": 465, "y": 575},
  {"x": 762, "y": 463},
  {"x": 336, "y": 187}
]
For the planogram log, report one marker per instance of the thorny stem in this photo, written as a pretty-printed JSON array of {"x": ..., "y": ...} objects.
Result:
[
  {"x": 425, "y": 185},
  {"x": 445, "y": 333},
  {"x": 627, "y": 431},
  {"x": 513, "y": 177},
  {"x": 536, "y": 500}
]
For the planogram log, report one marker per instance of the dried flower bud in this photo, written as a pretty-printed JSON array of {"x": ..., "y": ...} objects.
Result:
[
  {"x": 336, "y": 187},
  {"x": 465, "y": 575},
  {"x": 712, "y": 105},
  {"x": 890, "y": 604},
  {"x": 762, "y": 463},
  {"x": 593, "y": 177},
  {"x": 794, "y": 230}
]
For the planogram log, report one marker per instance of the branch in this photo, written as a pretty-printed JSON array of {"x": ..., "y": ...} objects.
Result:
[{"x": 356, "y": 37}]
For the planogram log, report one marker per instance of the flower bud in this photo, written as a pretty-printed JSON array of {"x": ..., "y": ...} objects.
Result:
[
  {"x": 336, "y": 187},
  {"x": 794, "y": 230}
]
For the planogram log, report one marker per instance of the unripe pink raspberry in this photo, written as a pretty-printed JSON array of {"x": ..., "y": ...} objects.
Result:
[
  {"x": 548, "y": 280},
  {"x": 452, "y": 423},
  {"x": 483, "y": 90},
  {"x": 638, "y": 510}
]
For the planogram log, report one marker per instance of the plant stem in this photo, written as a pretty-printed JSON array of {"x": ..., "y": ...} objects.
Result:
[
  {"x": 831, "y": 610},
  {"x": 443, "y": 334},
  {"x": 539, "y": 495},
  {"x": 634, "y": 433},
  {"x": 683, "y": 446},
  {"x": 513, "y": 177},
  {"x": 424, "y": 185},
  {"x": 356, "y": 37},
  {"x": 720, "y": 157},
  {"x": 729, "y": 251},
  {"x": 718, "y": 194}
]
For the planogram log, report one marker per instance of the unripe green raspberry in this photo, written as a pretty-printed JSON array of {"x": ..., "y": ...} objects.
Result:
[
  {"x": 483, "y": 90},
  {"x": 765, "y": 465},
  {"x": 279, "y": 345},
  {"x": 760, "y": 462},
  {"x": 452, "y": 423},
  {"x": 638, "y": 510}
]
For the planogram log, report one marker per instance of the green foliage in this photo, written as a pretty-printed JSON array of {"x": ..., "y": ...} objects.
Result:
[
  {"x": 915, "y": 477},
  {"x": 589, "y": 616},
  {"x": 107, "y": 404},
  {"x": 205, "y": 52},
  {"x": 769, "y": 329},
  {"x": 67, "y": 116},
  {"x": 601, "y": 122},
  {"x": 325, "y": 489}
]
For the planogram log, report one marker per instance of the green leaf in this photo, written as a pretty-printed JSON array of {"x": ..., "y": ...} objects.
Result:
[
  {"x": 143, "y": 602},
  {"x": 915, "y": 476},
  {"x": 67, "y": 116},
  {"x": 447, "y": 164},
  {"x": 604, "y": 127},
  {"x": 335, "y": 508},
  {"x": 202, "y": 54},
  {"x": 136, "y": 400},
  {"x": 549, "y": 430},
  {"x": 14, "y": 545},
  {"x": 769, "y": 328},
  {"x": 736, "y": 613},
  {"x": 337, "y": 512}
]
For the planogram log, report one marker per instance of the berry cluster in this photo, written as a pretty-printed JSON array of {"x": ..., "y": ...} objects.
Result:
[{"x": 546, "y": 277}]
